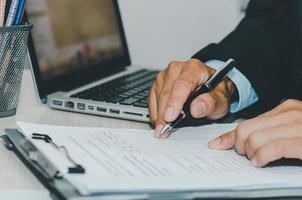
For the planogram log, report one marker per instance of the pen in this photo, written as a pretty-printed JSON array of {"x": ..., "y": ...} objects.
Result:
[
  {"x": 12, "y": 13},
  {"x": 19, "y": 12},
  {"x": 208, "y": 86}
]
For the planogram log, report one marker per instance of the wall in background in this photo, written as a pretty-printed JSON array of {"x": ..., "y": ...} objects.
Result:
[{"x": 159, "y": 31}]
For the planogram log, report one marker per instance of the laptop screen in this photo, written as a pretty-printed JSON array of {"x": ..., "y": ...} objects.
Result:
[
  {"x": 72, "y": 34},
  {"x": 73, "y": 41}
]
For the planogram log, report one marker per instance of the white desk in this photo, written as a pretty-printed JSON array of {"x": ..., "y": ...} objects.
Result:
[{"x": 16, "y": 181}]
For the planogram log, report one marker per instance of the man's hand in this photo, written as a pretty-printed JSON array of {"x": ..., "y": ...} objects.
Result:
[
  {"x": 174, "y": 85},
  {"x": 268, "y": 137}
]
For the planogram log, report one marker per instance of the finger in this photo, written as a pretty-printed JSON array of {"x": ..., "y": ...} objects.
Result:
[
  {"x": 162, "y": 104},
  {"x": 183, "y": 86},
  {"x": 247, "y": 127},
  {"x": 152, "y": 105},
  {"x": 164, "y": 136},
  {"x": 223, "y": 142},
  {"x": 277, "y": 149},
  {"x": 223, "y": 101},
  {"x": 213, "y": 105},
  {"x": 259, "y": 138},
  {"x": 203, "y": 105},
  {"x": 203, "y": 70},
  {"x": 285, "y": 106},
  {"x": 158, "y": 86},
  {"x": 170, "y": 75}
]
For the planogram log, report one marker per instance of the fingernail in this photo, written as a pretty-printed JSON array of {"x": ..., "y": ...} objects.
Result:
[
  {"x": 254, "y": 163},
  {"x": 169, "y": 114},
  {"x": 164, "y": 136},
  {"x": 157, "y": 130},
  {"x": 199, "y": 110},
  {"x": 215, "y": 143}
]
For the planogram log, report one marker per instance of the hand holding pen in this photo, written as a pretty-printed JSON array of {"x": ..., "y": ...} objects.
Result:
[{"x": 175, "y": 85}]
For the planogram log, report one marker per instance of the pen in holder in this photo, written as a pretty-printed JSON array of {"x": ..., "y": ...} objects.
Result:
[{"x": 13, "y": 51}]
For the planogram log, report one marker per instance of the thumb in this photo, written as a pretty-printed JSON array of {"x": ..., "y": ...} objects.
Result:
[
  {"x": 223, "y": 142},
  {"x": 212, "y": 105}
]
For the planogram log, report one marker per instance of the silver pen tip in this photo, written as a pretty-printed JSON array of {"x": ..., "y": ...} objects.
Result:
[{"x": 165, "y": 129}]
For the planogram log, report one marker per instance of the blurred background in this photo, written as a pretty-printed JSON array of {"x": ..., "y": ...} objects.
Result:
[{"x": 159, "y": 31}]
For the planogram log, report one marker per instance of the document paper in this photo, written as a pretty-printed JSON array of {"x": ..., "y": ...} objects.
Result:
[{"x": 130, "y": 160}]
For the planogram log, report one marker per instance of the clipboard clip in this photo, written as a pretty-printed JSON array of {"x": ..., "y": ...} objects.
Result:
[
  {"x": 42, "y": 161},
  {"x": 76, "y": 169}
]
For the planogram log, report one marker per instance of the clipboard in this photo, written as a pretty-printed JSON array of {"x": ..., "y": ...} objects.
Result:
[{"x": 60, "y": 188}]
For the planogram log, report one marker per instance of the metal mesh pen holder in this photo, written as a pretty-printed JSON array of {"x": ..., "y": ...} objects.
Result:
[{"x": 13, "y": 51}]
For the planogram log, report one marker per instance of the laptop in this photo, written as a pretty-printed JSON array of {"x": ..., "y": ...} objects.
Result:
[{"x": 80, "y": 59}]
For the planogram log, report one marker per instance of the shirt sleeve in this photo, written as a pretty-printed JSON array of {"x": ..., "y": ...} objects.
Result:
[{"x": 246, "y": 92}]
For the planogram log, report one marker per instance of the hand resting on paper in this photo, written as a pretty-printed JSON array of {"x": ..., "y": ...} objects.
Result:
[{"x": 271, "y": 136}]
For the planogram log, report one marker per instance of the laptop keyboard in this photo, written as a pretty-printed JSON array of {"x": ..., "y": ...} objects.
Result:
[{"x": 131, "y": 89}]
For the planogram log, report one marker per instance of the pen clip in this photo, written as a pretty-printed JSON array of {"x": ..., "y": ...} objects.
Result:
[{"x": 220, "y": 74}]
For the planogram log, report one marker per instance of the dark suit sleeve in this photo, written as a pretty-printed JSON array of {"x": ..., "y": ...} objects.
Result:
[{"x": 259, "y": 46}]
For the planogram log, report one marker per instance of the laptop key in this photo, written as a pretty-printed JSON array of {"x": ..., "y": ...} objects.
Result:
[
  {"x": 116, "y": 100},
  {"x": 98, "y": 98},
  {"x": 139, "y": 96},
  {"x": 144, "y": 101},
  {"x": 129, "y": 101},
  {"x": 141, "y": 105},
  {"x": 128, "y": 93},
  {"x": 136, "y": 90},
  {"x": 123, "y": 96}
]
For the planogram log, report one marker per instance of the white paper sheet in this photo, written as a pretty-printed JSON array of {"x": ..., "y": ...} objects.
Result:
[{"x": 120, "y": 160}]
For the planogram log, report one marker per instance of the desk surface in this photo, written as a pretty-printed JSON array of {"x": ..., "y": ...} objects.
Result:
[{"x": 15, "y": 179}]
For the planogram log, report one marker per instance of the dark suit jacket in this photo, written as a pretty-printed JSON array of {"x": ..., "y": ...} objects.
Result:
[{"x": 267, "y": 46}]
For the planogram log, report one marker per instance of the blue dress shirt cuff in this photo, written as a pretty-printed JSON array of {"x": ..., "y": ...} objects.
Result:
[{"x": 246, "y": 93}]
